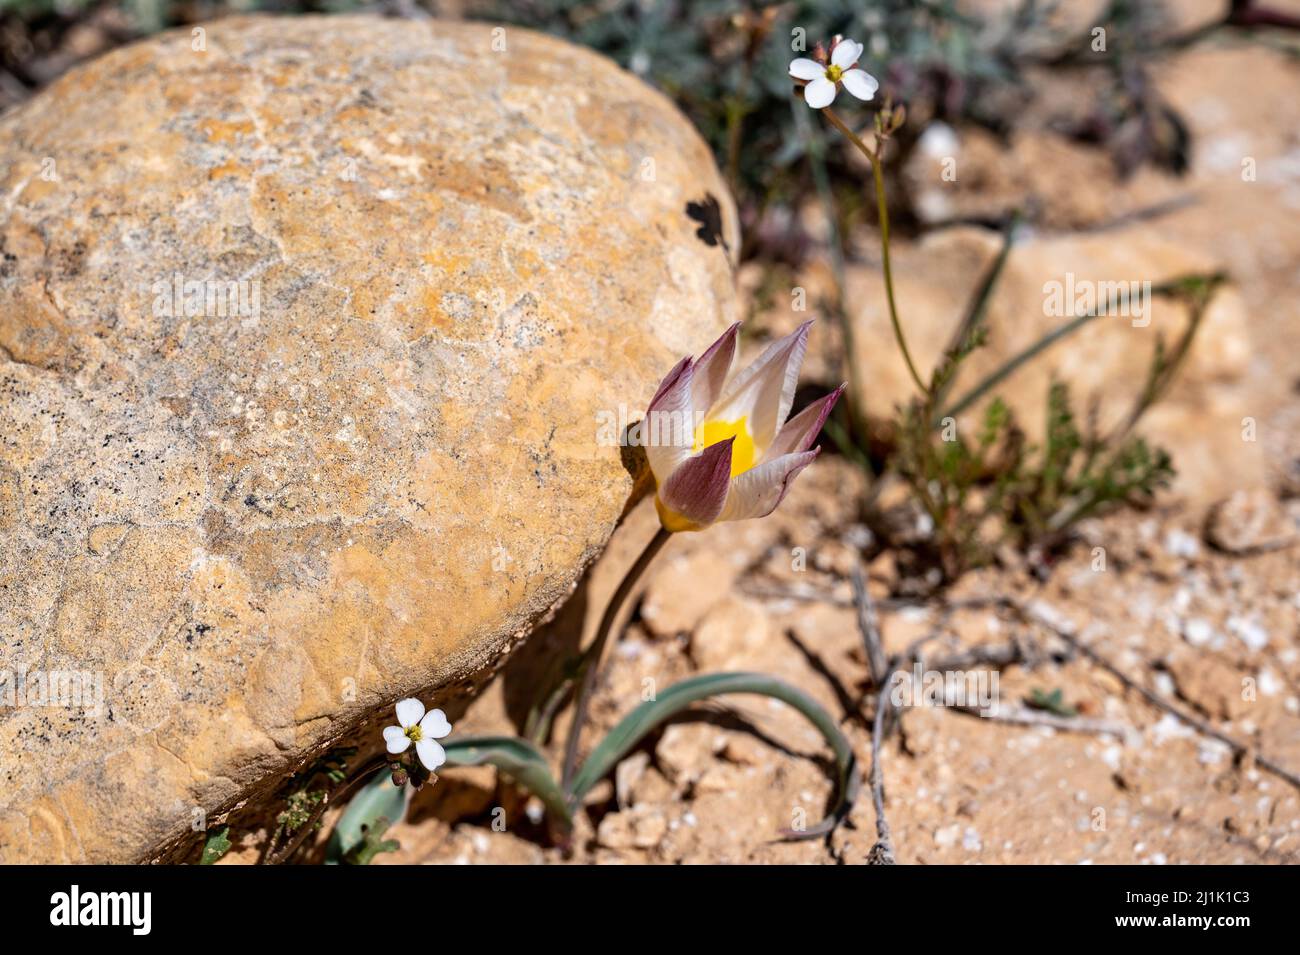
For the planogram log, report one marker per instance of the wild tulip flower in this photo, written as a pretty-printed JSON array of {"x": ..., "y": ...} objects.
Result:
[
  {"x": 421, "y": 728},
  {"x": 739, "y": 455},
  {"x": 824, "y": 79}
]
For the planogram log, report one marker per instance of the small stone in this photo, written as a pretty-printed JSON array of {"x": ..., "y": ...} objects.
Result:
[
  {"x": 1249, "y": 632},
  {"x": 1209, "y": 684},
  {"x": 947, "y": 836},
  {"x": 684, "y": 751},
  {"x": 1198, "y": 631},
  {"x": 599, "y": 794},
  {"x": 643, "y": 827},
  {"x": 743, "y": 750},
  {"x": 627, "y": 775},
  {"x": 731, "y": 634},
  {"x": 719, "y": 778},
  {"x": 1179, "y": 543}
]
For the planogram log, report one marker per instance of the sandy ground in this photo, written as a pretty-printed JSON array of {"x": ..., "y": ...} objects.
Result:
[{"x": 1213, "y": 633}]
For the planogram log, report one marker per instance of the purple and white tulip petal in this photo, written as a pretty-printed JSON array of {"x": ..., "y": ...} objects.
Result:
[
  {"x": 764, "y": 391},
  {"x": 710, "y": 372},
  {"x": 800, "y": 431},
  {"x": 697, "y": 490},
  {"x": 668, "y": 429},
  {"x": 758, "y": 491}
]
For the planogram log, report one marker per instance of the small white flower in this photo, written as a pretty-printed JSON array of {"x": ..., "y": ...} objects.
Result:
[
  {"x": 823, "y": 81},
  {"x": 422, "y": 729}
]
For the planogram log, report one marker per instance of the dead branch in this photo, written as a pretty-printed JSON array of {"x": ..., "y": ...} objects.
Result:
[{"x": 869, "y": 627}]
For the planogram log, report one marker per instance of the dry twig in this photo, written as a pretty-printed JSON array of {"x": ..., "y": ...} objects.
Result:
[{"x": 869, "y": 627}]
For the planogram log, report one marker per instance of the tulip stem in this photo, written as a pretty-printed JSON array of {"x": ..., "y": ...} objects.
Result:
[
  {"x": 882, "y": 212},
  {"x": 590, "y": 664}
]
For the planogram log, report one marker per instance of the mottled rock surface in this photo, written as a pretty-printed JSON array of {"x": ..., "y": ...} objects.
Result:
[{"x": 261, "y": 518}]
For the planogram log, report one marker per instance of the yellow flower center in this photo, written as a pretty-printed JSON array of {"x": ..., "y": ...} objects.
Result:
[
  {"x": 742, "y": 450},
  {"x": 413, "y": 733},
  {"x": 833, "y": 73}
]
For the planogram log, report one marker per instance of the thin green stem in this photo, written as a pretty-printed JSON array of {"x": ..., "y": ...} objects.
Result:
[
  {"x": 817, "y": 162},
  {"x": 1003, "y": 371},
  {"x": 591, "y": 659},
  {"x": 973, "y": 320},
  {"x": 882, "y": 212}
]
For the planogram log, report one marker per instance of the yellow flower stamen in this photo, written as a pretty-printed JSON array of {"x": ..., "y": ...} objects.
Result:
[
  {"x": 742, "y": 449},
  {"x": 833, "y": 73},
  {"x": 413, "y": 733}
]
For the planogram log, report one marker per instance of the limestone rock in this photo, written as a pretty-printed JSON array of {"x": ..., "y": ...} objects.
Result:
[{"x": 303, "y": 341}]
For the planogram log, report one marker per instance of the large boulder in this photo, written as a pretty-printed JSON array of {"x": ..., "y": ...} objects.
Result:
[{"x": 308, "y": 330}]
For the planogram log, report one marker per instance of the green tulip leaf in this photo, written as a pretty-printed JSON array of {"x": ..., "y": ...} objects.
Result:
[
  {"x": 519, "y": 760},
  {"x": 676, "y": 698},
  {"x": 378, "y": 805}
]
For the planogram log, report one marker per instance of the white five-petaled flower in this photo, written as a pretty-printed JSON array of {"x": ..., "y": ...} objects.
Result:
[
  {"x": 421, "y": 728},
  {"x": 739, "y": 455},
  {"x": 823, "y": 80}
]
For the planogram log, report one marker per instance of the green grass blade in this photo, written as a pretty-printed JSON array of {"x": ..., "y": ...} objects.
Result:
[
  {"x": 519, "y": 760},
  {"x": 676, "y": 698}
]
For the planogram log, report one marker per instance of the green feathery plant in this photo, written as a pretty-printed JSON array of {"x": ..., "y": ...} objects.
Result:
[{"x": 1032, "y": 495}]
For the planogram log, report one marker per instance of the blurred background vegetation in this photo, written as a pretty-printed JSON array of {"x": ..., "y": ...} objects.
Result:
[
  {"x": 953, "y": 64},
  {"x": 724, "y": 62}
]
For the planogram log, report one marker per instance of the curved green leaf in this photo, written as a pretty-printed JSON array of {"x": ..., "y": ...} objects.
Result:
[
  {"x": 377, "y": 806},
  {"x": 676, "y": 698},
  {"x": 518, "y": 759}
]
